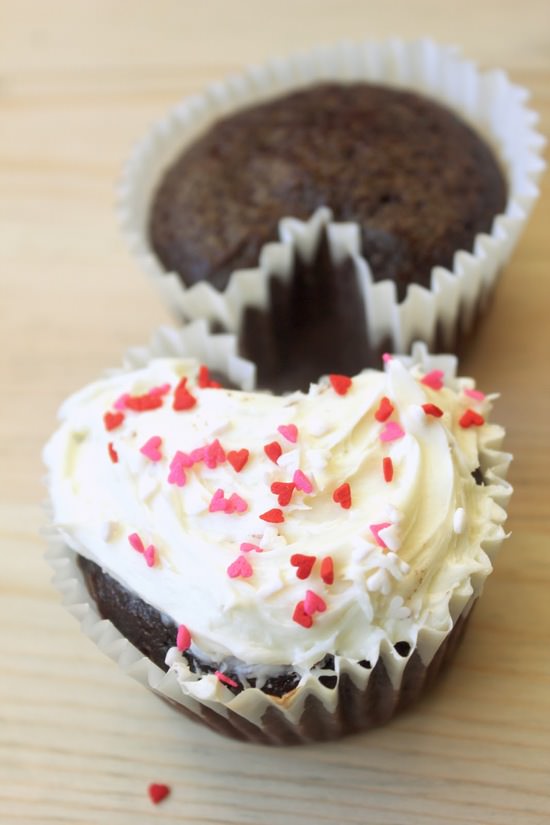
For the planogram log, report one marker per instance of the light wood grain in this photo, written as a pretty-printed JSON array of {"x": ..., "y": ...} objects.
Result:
[{"x": 79, "y": 742}]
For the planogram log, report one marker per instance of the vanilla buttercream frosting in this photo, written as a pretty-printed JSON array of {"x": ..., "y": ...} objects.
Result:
[{"x": 277, "y": 530}]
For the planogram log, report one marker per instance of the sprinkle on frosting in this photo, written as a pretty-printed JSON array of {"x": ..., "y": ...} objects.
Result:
[
  {"x": 136, "y": 542},
  {"x": 342, "y": 496},
  {"x": 273, "y": 451},
  {"x": 177, "y": 469},
  {"x": 273, "y": 516},
  {"x": 477, "y": 395},
  {"x": 204, "y": 381},
  {"x": 327, "y": 570},
  {"x": 302, "y": 482},
  {"x": 183, "y": 638},
  {"x": 376, "y": 529},
  {"x": 301, "y": 617},
  {"x": 313, "y": 603},
  {"x": 433, "y": 379},
  {"x": 387, "y": 468},
  {"x": 248, "y": 547},
  {"x": 392, "y": 431},
  {"x": 183, "y": 399},
  {"x": 113, "y": 420},
  {"x": 238, "y": 459},
  {"x": 113, "y": 455},
  {"x": 150, "y": 555},
  {"x": 471, "y": 418},
  {"x": 385, "y": 409},
  {"x": 303, "y": 564},
  {"x": 289, "y": 431},
  {"x": 240, "y": 568},
  {"x": 151, "y": 448},
  {"x": 144, "y": 403},
  {"x": 432, "y": 409},
  {"x": 233, "y": 504},
  {"x": 340, "y": 383},
  {"x": 226, "y": 680},
  {"x": 283, "y": 490}
]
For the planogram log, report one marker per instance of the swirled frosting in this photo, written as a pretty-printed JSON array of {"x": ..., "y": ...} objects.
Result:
[{"x": 178, "y": 506}]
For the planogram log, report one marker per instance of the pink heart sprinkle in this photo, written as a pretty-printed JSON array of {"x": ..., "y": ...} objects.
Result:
[
  {"x": 240, "y": 568},
  {"x": 392, "y": 431},
  {"x": 247, "y": 547},
  {"x": 162, "y": 390},
  {"x": 214, "y": 454},
  {"x": 120, "y": 403},
  {"x": 151, "y": 448},
  {"x": 302, "y": 482},
  {"x": 136, "y": 542},
  {"x": 313, "y": 603},
  {"x": 150, "y": 555},
  {"x": 177, "y": 472},
  {"x": 196, "y": 455},
  {"x": 375, "y": 530},
  {"x": 183, "y": 638},
  {"x": 218, "y": 503},
  {"x": 433, "y": 379},
  {"x": 386, "y": 357},
  {"x": 236, "y": 504},
  {"x": 289, "y": 431},
  {"x": 477, "y": 395}
]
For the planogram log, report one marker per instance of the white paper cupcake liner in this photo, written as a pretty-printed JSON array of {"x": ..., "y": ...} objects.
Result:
[
  {"x": 364, "y": 697},
  {"x": 487, "y": 100}
]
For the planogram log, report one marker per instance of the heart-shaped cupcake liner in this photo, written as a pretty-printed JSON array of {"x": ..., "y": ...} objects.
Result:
[
  {"x": 360, "y": 697},
  {"x": 441, "y": 314}
]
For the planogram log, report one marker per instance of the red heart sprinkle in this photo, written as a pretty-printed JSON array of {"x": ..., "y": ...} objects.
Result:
[
  {"x": 301, "y": 617},
  {"x": 342, "y": 495},
  {"x": 303, "y": 563},
  {"x": 274, "y": 516},
  {"x": 113, "y": 420},
  {"x": 143, "y": 403},
  {"x": 327, "y": 570},
  {"x": 283, "y": 490},
  {"x": 471, "y": 418},
  {"x": 204, "y": 381},
  {"x": 183, "y": 400},
  {"x": 340, "y": 383},
  {"x": 157, "y": 792},
  {"x": 387, "y": 465},
  {"x": 237, "y": 459},
  {"x": 113, "y": 455},
  {"x": 273, "y": 451},
  {"x": 432, "y": 409},
  {"x": 384, "y": 410}
]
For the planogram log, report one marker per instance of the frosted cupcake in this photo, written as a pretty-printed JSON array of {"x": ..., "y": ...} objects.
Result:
[{"x": 284, "y": 569}]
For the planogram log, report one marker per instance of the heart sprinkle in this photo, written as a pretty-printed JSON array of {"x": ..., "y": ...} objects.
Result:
[
  {"x": 289, "y": 431},
  {"x": 392, "y": 431},
  {"x": 236, "y": 504},
  {"x": 433, "y": 379},
  {"x": 387, "y": 467},
  {"x": 284, "y": 491},
  {"x": 304, "y": 564},
  {"x": 150, "y": 554},
  {"x": 233, "y": 504},
  {"x": 240, "y": 568},
  {"x": 342, "y": 496},
  {"x": 432, "y": 409},
  {"x": 301, "y": 617},
  {"x": 375, "y": 530},
  {"x": 136, "y": 543},
  {"x": 273, "y": 451},
  {"x": 302, "y": 482},
  {"x": 384, "y": 410},
  {"x": 471, "y": 418},
  {"x": 204, "y": 381},
  {"x": 151, "y": 448},
  {"x": 313, "y": 603},
  {"x": 327, "y": 570},
  {"x": 274, "y": 516},
  {"x": 340, "y": 383},
  {"x": 177, "y": 469},
  {"x": 248, "y": 547},
  {"x": 227, "y": 680},
  {"x": 218, "y": 502},
  {"x": 113, "y": 455},
  {"x": 214, "y": 454},
  {"x": 157, "y": 792},
  {"x": 183, "y": 638},
  {"x": 477, "y": 395},
  {"x": 113, "y": 420},
  {"x": 238, "y": 459},
  {"x": 144, "y": 403},
  {"x": 183, "y": 400}
]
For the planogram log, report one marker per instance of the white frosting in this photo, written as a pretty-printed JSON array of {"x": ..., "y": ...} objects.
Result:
[{"x": 378, "y": 593}]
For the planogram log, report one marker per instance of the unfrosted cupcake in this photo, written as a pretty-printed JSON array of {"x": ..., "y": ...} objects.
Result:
[
  {"x": 291, "y": 568},
  {"x": 335, "y": 205}
]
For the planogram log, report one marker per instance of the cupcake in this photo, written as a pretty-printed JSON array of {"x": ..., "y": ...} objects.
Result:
[
  {"x": 336, "y": 204},
  {"x": 281, "y": 568}
]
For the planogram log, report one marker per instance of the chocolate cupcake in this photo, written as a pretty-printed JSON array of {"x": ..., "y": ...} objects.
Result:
[
  {"x": 334, "y": 205},
  {"x": 283, "y": 569}
]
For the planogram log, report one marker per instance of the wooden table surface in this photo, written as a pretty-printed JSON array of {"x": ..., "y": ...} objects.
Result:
[{"x": 79, "y": 741}]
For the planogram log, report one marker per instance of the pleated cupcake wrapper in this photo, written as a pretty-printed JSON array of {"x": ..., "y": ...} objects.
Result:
[
  {"x": 487, "y": 100},
  {"x": 363, "y": 698}
]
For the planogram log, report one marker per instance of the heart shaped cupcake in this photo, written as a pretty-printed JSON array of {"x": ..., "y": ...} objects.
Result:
[{"x": 298, "y": 564}]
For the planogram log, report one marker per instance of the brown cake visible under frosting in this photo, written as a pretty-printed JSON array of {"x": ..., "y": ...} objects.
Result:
[{"x": 420, "y": 183}]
